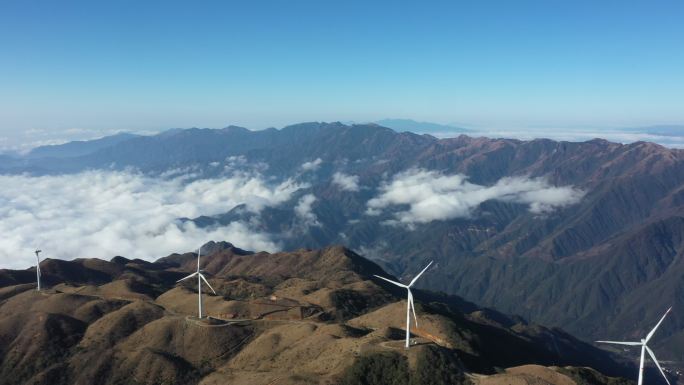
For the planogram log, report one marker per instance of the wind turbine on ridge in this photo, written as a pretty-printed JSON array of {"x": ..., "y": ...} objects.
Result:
[
  {"x": 410, "y": 307},
  {"x": 200, "y": 277},
  {"x": 38, "y": 268},
  {"x": 644, "y": 349}
]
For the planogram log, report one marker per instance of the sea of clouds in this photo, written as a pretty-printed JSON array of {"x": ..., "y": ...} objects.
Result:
[
  {"x": 103, "y": 214},
  {"x": 107, "y": 213}
]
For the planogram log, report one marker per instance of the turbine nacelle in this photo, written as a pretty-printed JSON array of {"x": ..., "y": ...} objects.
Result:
[{"x": 201, "y": 276}]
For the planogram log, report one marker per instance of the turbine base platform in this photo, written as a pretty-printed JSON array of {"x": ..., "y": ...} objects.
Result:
[{"x": 207, "y": 321}]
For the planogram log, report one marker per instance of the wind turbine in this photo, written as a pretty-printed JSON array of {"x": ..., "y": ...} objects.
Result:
[
  {"x": 200, "y": 277},
  {"x": 38, "y": 268},
  {"x": 409, "y": 306},
  {"x": 644, "y": 348}
]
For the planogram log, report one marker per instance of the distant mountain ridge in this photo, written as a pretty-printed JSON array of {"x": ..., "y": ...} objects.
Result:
[
  {"x": 592, "y": 267},
  {"x": 664, "y": 130},
  {"x": 401, "y": 125},
  {"x": 78, "y": 148}
]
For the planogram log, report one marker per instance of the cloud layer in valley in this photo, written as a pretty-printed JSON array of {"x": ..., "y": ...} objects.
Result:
[
  {"x": 431, "y": 195},
  {"x": 312, "y": 165},
  {"x": 346, "y": 182},
  {"x": 304, "y": 211},
  {"x": 104, "y": 214}
]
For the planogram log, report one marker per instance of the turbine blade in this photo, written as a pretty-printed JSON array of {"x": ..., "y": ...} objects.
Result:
[
  {"x": 189, "y": 276},
  {"x": 419, "y": 274},
  {"x": 621, "y": 343},
  {"x": 207, "y": 282},
  {"x": 650, "y": 353},
  {"x": 413, "y": 307},
  {"x": 199, "y": 253},
  {"x": 390, "y": 281},
  {"x": 648, "y": 337},
  {"x": 641, "y": 365}
]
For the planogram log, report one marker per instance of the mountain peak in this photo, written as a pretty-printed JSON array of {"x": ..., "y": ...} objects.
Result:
[
  {"x": 235, "y": 129},
  {"x": 401, "y": 125}
]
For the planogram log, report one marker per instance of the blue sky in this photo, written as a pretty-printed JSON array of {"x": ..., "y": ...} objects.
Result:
[{"x": 134, "y": 65}]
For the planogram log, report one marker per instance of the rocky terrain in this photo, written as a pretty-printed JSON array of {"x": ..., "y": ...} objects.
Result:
[{"x": 301, "y": 317}]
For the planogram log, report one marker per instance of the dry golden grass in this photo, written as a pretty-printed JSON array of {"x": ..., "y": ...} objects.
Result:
[
  {"x": 287, "y": 318},
  {"x": 526, "y": 375}
]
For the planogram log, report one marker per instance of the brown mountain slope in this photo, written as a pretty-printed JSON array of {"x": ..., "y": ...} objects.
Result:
[{"x": 303, "y": 317}]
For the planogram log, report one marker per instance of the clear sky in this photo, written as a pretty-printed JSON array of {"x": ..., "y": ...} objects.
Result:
[{"x": 144, "y": 65}]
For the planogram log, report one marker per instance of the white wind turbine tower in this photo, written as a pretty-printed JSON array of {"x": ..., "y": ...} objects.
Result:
[
  {"x": 409, "y": 306},
  {"x": 644, "y": 349},
  {"x": 200, "y": 277},
  {"x": 38, "y": 268}
]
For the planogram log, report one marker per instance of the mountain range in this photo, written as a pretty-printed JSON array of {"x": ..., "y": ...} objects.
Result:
[
  {"x": 301, "y": 317},
  {"x": 591, "y": 242},
  {"x": 409, "y": 125}
]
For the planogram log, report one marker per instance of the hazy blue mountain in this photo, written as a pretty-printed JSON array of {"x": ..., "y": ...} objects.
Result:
[
  {"x": 663, "y": 130},
  {"x": 11, "y": 163},
  {"x": 7, "y": 159},
  {"x": 283, "y": 150},
  {"x": 78, "y": 148},
  {"x": 402, "y": 125}
]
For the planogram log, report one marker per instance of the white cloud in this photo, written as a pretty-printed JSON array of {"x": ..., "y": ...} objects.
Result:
[
  {"x": 241, "y": 163},
  {"x": 377, "y": 251},
  {"x": 304, "y": 210},
  {"x": 312, "y": 165},
  {"x": 103, "y": 214},
  {"x": 346, "y": 182},
  {"x": 431, "y": 195}
]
